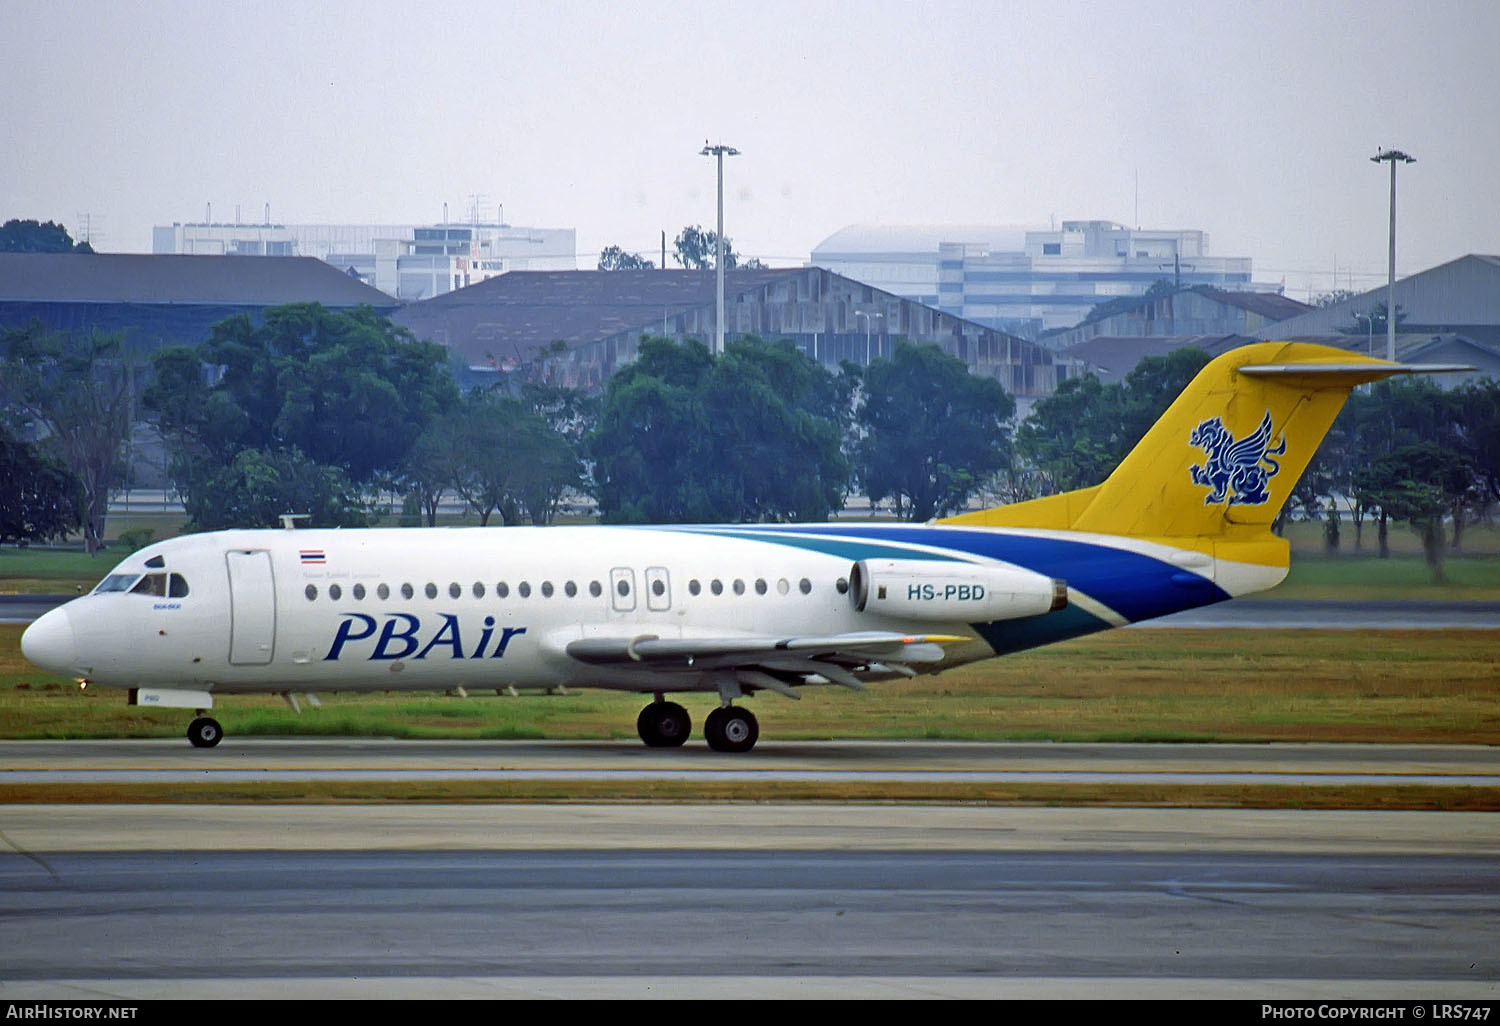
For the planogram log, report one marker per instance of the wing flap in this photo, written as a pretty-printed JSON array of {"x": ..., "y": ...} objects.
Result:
[{"x": 708, "y": 653}]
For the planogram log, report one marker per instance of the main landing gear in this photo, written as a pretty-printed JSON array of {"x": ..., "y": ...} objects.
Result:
[
  {"x": 205, "y": 732},
  {"x": 731, "y": 729},
  {"x": 664, "y": 724}
]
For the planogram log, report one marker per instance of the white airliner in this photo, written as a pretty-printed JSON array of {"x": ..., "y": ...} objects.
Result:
[{"x": 1183, "y": 522}]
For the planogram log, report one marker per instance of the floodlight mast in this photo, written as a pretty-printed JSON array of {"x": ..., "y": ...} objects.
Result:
[
  {"x": 719, "y": 151},
  {"x": 1394, "y": 157}
]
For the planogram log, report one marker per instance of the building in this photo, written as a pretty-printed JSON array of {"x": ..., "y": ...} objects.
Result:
[
  {"x": 1111, "y": 358},
  {"x": 1027, "y": 281},
  {"x": 165, "y": 300},
  {"x": 409, "y": 262},
  {"x": 578, "y": 327},
  {"x": 1195, "y": 310},
  {"x": 1460, "y": 297}
]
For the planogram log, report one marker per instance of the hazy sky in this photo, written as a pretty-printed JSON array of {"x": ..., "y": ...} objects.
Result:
[{"x": 1254, "y": 121}]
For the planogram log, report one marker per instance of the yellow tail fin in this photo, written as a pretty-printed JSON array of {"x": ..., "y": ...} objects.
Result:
[{"x": 1223, "y": 459}]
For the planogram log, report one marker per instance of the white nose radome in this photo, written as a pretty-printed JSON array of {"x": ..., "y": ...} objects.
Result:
[{"x": 49, "y": 642}]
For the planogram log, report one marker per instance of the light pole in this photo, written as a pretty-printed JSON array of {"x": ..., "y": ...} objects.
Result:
[
  {"x": 1393, "y": 157},
  {"x": 858, "y": 314},
  {"x": 719, "y": 152},
  {"x": 1369, "y": 320}
]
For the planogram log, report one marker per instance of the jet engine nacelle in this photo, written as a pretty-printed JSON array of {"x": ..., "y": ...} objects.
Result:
[{"x": 923, "y": 589}]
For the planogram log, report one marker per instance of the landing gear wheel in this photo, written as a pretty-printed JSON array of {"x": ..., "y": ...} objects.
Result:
[
  {"x": 731, "y": 729},
  {"x": 205, "y": 732},
  {"x": 664, "y": 725}
]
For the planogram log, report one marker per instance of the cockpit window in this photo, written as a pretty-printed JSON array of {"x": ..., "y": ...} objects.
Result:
[
  {"x": 116, "y": 582},
  {"x": 177, "y": 586},
  {"x": 151, "y": 584}
]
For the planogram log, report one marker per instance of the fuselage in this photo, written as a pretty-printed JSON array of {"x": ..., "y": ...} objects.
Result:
[{"x": 420, "y": 609}]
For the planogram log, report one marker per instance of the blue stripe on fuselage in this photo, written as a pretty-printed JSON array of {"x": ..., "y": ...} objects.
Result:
[{"x": 1136, "y": 586}]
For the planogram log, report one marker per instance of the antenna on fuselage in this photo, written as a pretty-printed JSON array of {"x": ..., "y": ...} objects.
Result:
[{"x": 289, "y": 520}]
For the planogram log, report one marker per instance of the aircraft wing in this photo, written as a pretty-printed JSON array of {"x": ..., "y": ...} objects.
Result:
[{"x": 773, "y": 663}]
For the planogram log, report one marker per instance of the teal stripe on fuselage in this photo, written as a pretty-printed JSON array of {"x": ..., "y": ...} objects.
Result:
[
  {"x": 1134, "y": 585},
  {"x": 849, "y": 548},
  {"x": 1006, "y": 636}
]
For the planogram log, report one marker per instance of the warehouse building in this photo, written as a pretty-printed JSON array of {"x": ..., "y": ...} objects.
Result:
[
  {"x": 165, "y": 300},
  {"x": 577, "y": 328}
]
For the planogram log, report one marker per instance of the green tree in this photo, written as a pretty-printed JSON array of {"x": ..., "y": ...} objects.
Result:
[
  {"x": 498, "y": 456},
  {"x": 41, "y": 500},
  {"x": 1476, "y": 409},
  {"x": 695, "y": 248},
  {"x": 346, "y": 390},
  {"x": 82, "y": 392},
  {"x": 1418, "y": 484},
  {"x": 17, "y": 236},
  {"x": 257, "y": 486},
  {"x": 933, "y": 433},
  {"x": 1390, "y": 416},
  {"x": 613, "y": 258},
  {"x": 752, "y": 436},
  {"x": 1076, "y": 437}
]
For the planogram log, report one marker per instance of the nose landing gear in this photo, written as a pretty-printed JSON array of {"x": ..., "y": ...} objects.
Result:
[{"x": 205, "y": 732}]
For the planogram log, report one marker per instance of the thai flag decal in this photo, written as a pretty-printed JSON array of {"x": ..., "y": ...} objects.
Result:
[{"x": 312, "y": 556}]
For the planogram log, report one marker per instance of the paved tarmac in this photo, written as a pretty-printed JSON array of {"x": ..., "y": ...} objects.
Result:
[{"x": 745, "y": 901}]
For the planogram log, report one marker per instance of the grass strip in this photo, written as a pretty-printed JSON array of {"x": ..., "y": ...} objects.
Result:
[{"x": 1391, "y": 687}]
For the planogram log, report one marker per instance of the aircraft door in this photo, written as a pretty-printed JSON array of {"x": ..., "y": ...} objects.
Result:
[
  {"x": 622, "y": 589},
  {"x": 252, "y": 608},
  {"x": 658, "y": 589}
]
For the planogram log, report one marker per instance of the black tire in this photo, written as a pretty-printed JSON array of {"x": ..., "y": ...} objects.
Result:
[
  {"x": 713, "y": 730},
  {"x": 205, "y": 732},
  {"x": 731, "y": 729},
  {"x": 664, "y": 725}
]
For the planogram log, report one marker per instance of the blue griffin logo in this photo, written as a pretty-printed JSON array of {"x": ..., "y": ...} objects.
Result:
[{"x": 1237, "y": 469}]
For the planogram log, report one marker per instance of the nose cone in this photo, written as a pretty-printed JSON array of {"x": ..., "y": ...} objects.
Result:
[{"x": 49, "y": 642}]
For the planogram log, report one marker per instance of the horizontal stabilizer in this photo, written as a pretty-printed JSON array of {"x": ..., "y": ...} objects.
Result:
[{"x": 1327, "y": 375}]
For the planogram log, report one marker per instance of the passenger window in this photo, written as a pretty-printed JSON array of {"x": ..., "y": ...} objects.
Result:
[
  {"x": 760, "y": 586},
  {"x": 177, "y": 586},
  {"x": 623, "y": 587},
  {"x": 524, "y": 589},
  {"x": 383, "y": 592},
  {"x": 546, "y": 589},
  {"x": 359, "y": 592},
  {"x": 595, "y": 589},
  {"x": 311, "y": 591},
  {"x": 805, "y": 586},
  {"x": 782, "y": 587},
  {"x": 716, "y": 586},
  {"x": 570, "y": 589},
  {"x": 478, "y": 590},
  {"x": 502, "y": 589},
  {"x": 335, "y": 592},
  {"x": 430, "y": 590},
  {"x": 694, "y": 587},
  {"x": 657, "y": 587},
  {"x": 406, "y": 591},
  {"x": 455, "y": 590},
  {"x": 739, "y": 586}
]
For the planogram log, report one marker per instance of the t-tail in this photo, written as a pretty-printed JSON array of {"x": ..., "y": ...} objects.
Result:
[{"x": 1215, "y": 471}]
